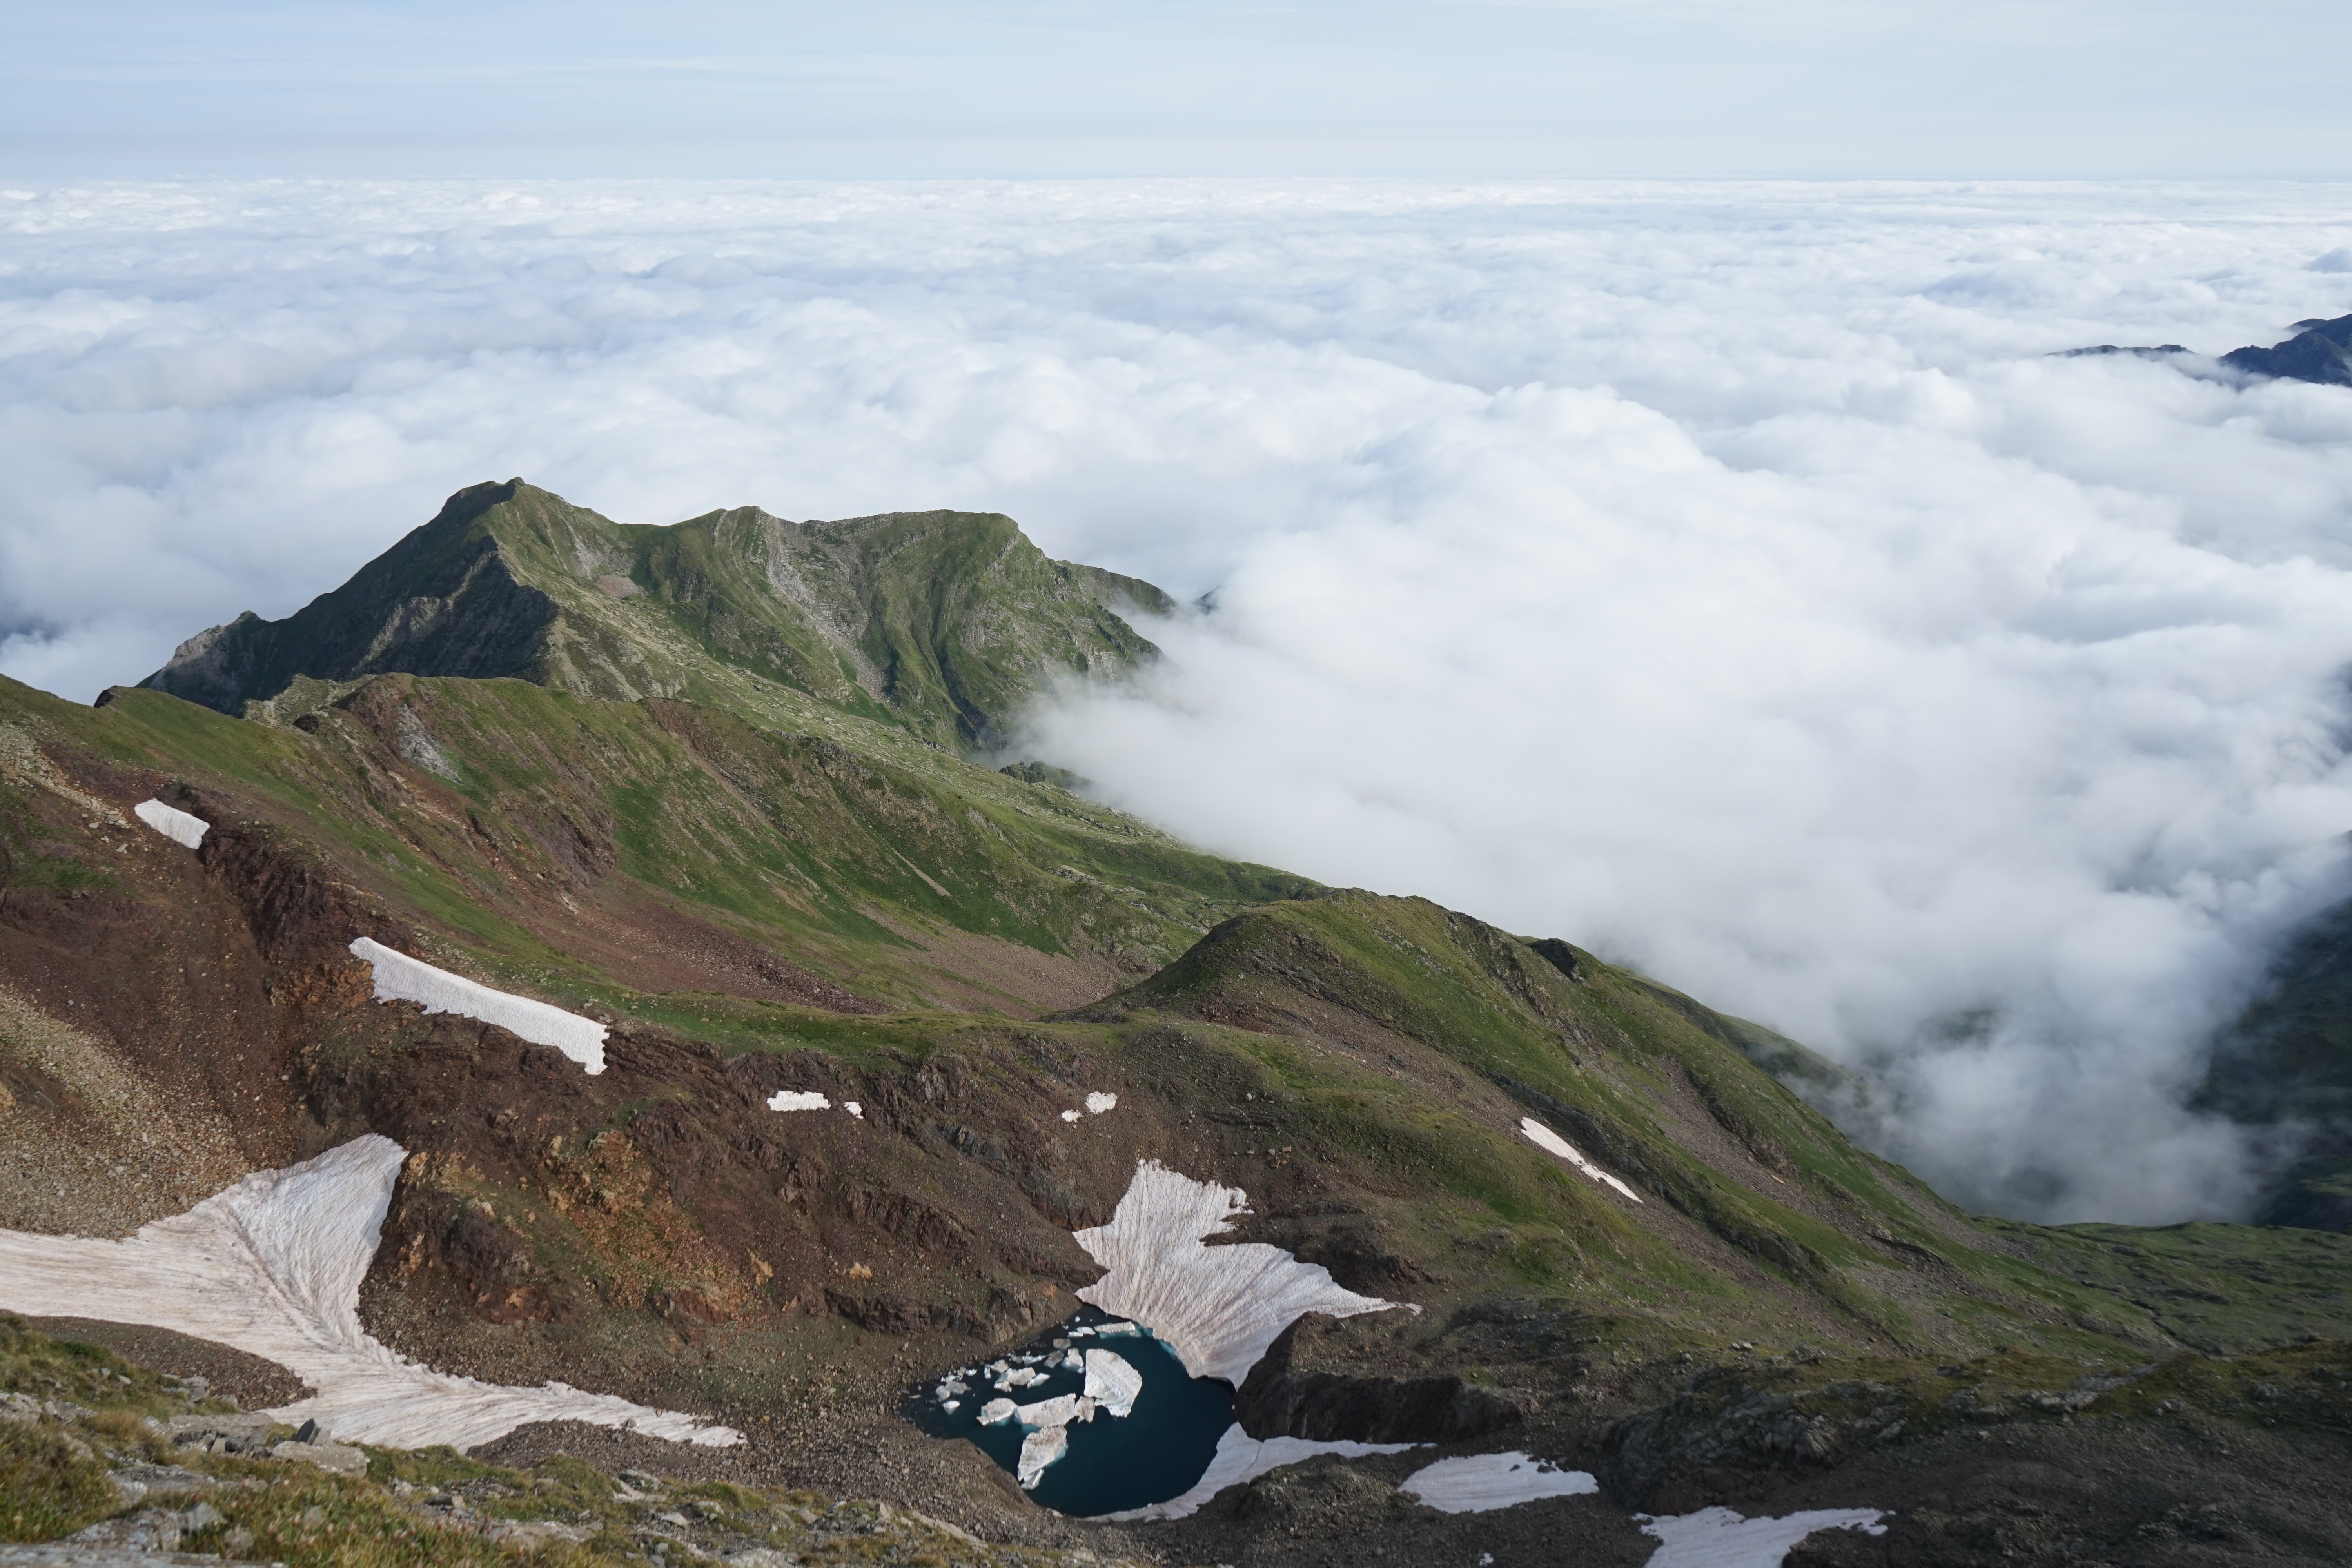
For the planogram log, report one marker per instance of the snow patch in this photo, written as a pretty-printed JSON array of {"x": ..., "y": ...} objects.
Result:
[
  {"x": 854, "y": 1109},
  {"x": 272, "y": 1266},
  {"x": 1242, "y": 1458},
  {"x": 172, "y": 824},
  {"x": 1544, "y": 1138},
  {"x": 1217, "y": 1307},
  {"x": 400, "y": 978},
  {"x": 1483, "y": 1481},
  {"x": 798, "y": 1100},
  {"x": 1718, "y": 1538},
  {"x": 1072, "y": 1115},
  {"x": 1098, "y": 1103}
]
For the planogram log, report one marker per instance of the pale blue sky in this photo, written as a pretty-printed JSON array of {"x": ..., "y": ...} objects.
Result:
[{"x": 914, "y": 88}]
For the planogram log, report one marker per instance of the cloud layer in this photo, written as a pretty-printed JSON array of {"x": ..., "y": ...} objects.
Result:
[{"x": 1715, "y": 576}]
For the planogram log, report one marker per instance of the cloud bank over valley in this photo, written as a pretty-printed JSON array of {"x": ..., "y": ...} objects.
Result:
[{"x": 1719, "y": 576}]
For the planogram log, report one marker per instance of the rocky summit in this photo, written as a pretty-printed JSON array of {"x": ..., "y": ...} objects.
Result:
[{"x": 579, "y": 954}]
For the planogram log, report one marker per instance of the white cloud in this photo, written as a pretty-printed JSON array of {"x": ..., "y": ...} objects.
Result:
[{"x": 1717, "y": 575}]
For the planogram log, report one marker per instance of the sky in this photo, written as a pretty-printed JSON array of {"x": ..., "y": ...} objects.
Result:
[
  {"x": 1053, "y": 88},
  {"x": 1720, "y": 576}
]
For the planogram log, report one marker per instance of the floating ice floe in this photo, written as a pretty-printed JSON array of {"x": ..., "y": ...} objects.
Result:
[
  {"x": 1217, "y": 1307},
  {"x": 1038, "y": 1451},
  {"x": 1718, "y": 1538},
  {"x": 400, "y": 978},
  {"x": 798, "y": 1100},
  {"x": 175, "y": 825},
  {"x": 1112, "y": 1330},
  {"x": 997, "y": 1411},
  {"x": 1544, "y": 1138},
  {"x": 1483, "y": 1481},
  {"x": 1242, "y": 1458},
  {"x": 1098, "y": 1103},
  {"x": 1111, "y": 1382},
  {"x": 272, "y": 1266},
  {"x": 1058, "y": 1411}
]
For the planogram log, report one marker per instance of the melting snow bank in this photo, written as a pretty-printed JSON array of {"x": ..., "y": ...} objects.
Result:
[
  {"x": 172, "y": 824},
  {"x": 272, "y": 1266},
  {"x": 400, "y": 978},
  {"x": 1718, "y": 1538},
  {"x": 1483, "y": 1481},
  {"x": 798, "y": 1100},
  {"x": 1545, "y": 1138},
  {"x": 1242, "y": 1458},
  {"x": 1217, "y": 1307}
]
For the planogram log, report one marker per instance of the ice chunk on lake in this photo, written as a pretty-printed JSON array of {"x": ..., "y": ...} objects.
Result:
[
  {"x": 1483, "y": 1481},
  {"x": 1111, "y": 1382},
  {"x": 997, "y": 1411},
  {"x": 1098, "y": 1103},
  {"x": 272, "y": 1266},
  {"x": 177, "y": 825},
  {"x": 1112, "y": 1330},
  {"x": 400, "y": 978},
  {"x": 1039, "y": 1449},
  {"x": 951, "y": 1386},
  {"x": 798, "y": 1100},
  {"x": 1718, "y": 1538},
  {"x": 951, "y": 1405},
  {"x": 1019, "y": 1377},
  {"x": 1058, "y": 1411},
  {"x": 1544, "y": 1138},
  {"x": 1217, "y": 1307}
]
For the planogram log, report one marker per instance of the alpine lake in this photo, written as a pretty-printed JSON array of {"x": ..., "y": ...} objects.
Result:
[{"x": 1155, "y": 1452}]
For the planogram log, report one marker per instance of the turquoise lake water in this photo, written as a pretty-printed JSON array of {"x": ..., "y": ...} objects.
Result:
[{"x": 1114, "y": 1462}]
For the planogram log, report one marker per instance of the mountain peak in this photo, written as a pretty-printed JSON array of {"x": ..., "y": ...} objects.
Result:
[{"x": 945, "y": 622}]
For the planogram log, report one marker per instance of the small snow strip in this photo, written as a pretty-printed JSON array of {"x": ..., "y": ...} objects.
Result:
[
  {"x": 400, "y": 978},
  {"x": 798, "y": 1100},
  {"x": 1098, "y": 1103},
  {"x": 1217, "y": 1307},
  {"x": 174, "y": 824},
  {"x": 1544, "y": 1138},
  {"x": 1071, "y": 1115},
  {"x": 272, "y": 1266},
  {"x": 1242, "y": 1458},
  {"x": 854, "y": 1109},
  {"x": 1483, "y": 1481},
  {"x": 1718, "y": 1538}
]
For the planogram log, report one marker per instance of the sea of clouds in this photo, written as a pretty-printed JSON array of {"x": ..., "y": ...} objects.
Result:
[{"x": 1720, "y": 576}]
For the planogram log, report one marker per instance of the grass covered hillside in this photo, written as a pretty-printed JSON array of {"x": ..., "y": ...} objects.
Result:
[{"x": 649, "y": 806}]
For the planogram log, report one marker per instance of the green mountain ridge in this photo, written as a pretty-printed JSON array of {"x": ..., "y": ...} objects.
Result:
[{"x": 943, "y": 622}]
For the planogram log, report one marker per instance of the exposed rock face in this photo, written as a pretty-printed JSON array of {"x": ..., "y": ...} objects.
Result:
[
  {"x": 2320, "y": 351},
  {"x": 945, "y": 621}
]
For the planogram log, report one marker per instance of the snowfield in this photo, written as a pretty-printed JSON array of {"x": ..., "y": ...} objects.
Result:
[
  {"x": 400, "y": 978},
  {"x": 172, "y": 824},
  {"x": 1483, "y": 1481},
  {"x": 1217, "y": 1307},
  {"x": 272, "y": 1266}
]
